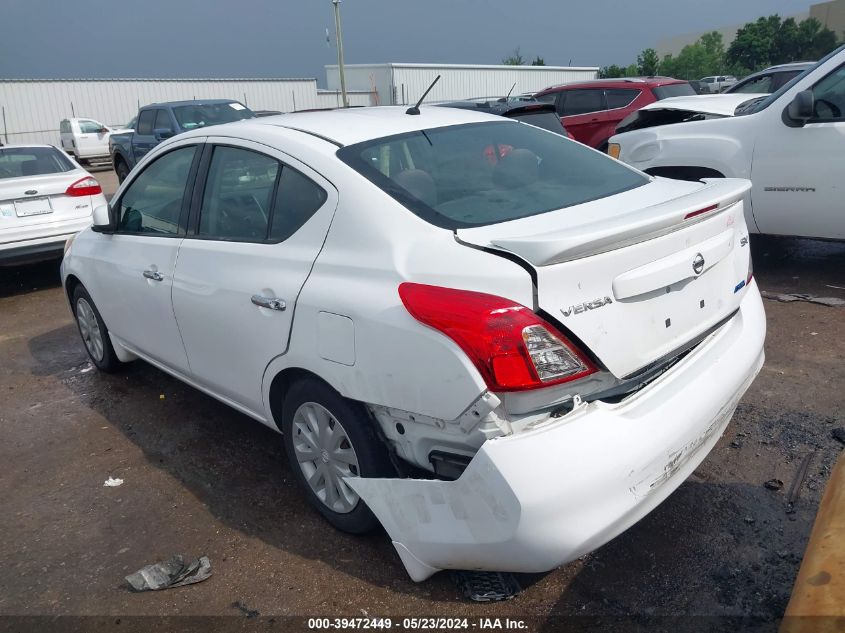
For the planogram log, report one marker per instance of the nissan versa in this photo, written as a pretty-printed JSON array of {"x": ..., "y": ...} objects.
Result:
[{"x": 500, "y": 344}]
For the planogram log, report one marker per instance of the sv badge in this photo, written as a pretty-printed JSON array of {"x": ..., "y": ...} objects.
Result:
[{"x": 580, "y": 308}]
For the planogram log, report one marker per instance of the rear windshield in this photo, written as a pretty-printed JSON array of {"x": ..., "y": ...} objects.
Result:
[
  {"x": 201, "y": 115},
  {"x": 16, "y": 162},
  {"x": 547, "y": 120},
  {"x": 674, "y": 90},
  {"x": 485, "y": 173}
]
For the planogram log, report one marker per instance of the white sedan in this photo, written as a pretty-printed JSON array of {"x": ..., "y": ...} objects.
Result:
[
  {"x": 503, "y": 346},
  {"x": 45, "y": 197}
]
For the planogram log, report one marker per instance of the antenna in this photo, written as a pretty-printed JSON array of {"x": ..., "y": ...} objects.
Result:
[
  {"x": 508, "y": 96},
  {"x": 416, "y": 109}
]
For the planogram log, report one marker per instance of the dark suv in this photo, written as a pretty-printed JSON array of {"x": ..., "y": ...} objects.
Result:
[{"x": 590, "y": 110}]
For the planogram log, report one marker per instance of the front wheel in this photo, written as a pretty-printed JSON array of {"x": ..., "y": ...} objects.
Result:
[
  {"x": 328, "y": 438},
  {"x": 122, "y": 171},
  {"x": 95, "y": 334}
]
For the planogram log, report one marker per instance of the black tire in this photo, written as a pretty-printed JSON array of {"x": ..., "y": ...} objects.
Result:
[
  {"x": 107, "y": 360},
  {"x": 122, "y": 171},
  {"x": 372, "y": 455}
]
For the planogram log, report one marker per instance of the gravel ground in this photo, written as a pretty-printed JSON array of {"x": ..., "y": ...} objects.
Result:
[{"x": 200, "y": 478}]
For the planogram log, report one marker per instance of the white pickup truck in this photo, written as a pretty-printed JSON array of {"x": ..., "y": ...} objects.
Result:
[{"x": 791, "y": 144}]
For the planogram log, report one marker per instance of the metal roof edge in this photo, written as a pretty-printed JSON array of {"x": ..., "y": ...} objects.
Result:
[
  {"x": 476, "y": 66},
  {"x": 206, "y": 79}
]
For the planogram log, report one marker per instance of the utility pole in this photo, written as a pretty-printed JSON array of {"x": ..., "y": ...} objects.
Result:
[{"x": 339, "y": 38}]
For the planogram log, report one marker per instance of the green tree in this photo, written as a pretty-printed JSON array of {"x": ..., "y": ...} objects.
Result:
[
  {"x": 611, "y": 72},
  {"x": 770, "y": 40},
  {"x": 538, "y": 61},
  {"x": 514, "y": 59},
  {"x": 704, "y": 57},
  {"x": 648, "y": 62}
]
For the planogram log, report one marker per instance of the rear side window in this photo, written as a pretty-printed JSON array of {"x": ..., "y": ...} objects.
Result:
[
  {"x": 485, "y": 173},
  {"x": 153, "y": 201},
  {"x": 582, "y": 102},
  {"x": 546, "y": 120},
  {"x": 145, "y": 122},
  {"x": 16, "y": 162},
  {"x": 162, "y": 121},
  {"x": 297, "y": 199},
  {"x": 620, "y": 97},
  {"x": 251, "y": 197},
  {"x": 674, "y": 90}
]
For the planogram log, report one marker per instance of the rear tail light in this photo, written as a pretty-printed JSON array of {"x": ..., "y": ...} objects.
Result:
[
  {"x": 84, "y": 187},
  {"x": 510, "y": 345}
]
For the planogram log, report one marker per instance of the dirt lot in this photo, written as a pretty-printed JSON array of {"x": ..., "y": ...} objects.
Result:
[{"x": 203, "y": 479}]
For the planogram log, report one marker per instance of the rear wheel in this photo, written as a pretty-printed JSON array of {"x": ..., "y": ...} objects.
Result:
[
  {"x": 328, "y": 438},
  {"x": 95, "y": 334}
]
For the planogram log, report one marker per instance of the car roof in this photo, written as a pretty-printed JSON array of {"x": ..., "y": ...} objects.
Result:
[
  {"x": 501, "y": 108},
  {"x": 27, "y": 146},
  {"x": 190, "y": 102},
  {"x": 620, "y": 82},
  {"x": 346, "y": 126}
]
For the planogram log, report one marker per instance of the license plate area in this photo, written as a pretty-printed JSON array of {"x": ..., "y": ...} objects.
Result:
[{"x": 32, "y": 206}]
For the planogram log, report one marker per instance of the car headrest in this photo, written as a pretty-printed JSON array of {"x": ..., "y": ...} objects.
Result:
[{"x": 419, "y": 184}]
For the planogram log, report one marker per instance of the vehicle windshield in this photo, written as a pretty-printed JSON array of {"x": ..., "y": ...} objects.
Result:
[
  {"x": 762, "y": 103},
  {"x": 478, "y": 174},
  {"x": 197, "y": 115},
  {"x": 18, "y": 162}
]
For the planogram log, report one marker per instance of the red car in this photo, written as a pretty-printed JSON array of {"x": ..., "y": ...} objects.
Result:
[{"x": 590, "y": 110}]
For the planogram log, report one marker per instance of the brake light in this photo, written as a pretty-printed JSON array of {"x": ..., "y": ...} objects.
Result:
[
  {"x": 84, "y": 187},
  {"x": 693, "y": 214},
  {"x": 510, "y": 345}
]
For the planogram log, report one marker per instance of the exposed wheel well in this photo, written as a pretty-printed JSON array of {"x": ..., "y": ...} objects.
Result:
[
  {"x": 70, "y": 286},
  {"x": 685, "y": 173},
  {"x": 279, "y": 389}
]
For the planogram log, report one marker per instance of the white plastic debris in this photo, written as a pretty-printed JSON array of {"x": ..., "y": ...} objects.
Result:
[
  {"x": 112, "y": 482},
  {"x": 173, "y": 572}
]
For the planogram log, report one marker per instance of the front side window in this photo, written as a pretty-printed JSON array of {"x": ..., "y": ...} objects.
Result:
[
  {"x": 485, "y": 173},
  {"x": 90, "y": 127},
  {"x": 145, "y": 122},
  {"x": 153, "y": 201},
  {"x": 583, "y": 102},
  {"x": 829, "y": 95},
  {"x": 16, "y": 162}
]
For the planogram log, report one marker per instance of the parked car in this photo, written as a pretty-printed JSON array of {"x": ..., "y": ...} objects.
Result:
[
  {"x": 553, "y": 339},
  {"x": 160, "y": 121},
  {"x": 771, "y": 79},
  {"x": 86, "y": 139},
  {"x": 788, "y": 142},
  {"x": 716, "y": 83},
  {"x": 590, "y": 110},
  {"x": 542, "y": 115},
  {"x": 45, "y": 197}
]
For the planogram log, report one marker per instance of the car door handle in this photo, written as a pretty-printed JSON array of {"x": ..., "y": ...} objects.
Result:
[
  {"x": 268, "y": 302},
  {"x": 154, "y": 275}
]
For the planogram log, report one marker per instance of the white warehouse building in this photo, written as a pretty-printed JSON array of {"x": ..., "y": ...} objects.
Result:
[
  {"x": 402, "y": 84},
  {"x": 31, "y": 109}
]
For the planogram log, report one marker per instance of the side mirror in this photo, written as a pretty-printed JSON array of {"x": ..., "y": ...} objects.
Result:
[
  {"x": 802, "y": 108},
  {"x": 162, "y": 133},
  {"x": 101, "y": 219},
  {"x": 103, "y": 130}
]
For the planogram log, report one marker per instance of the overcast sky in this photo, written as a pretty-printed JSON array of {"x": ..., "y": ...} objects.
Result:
[{"x": 283, "y": 38}]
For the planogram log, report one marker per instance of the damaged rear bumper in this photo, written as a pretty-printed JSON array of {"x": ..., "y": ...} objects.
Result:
[{"x": 532, "y": 501}]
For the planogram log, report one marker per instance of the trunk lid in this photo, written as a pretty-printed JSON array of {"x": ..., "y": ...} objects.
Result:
[
  {"x": 47, "y": 204},
  {"x": 635, "y": 285}
]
